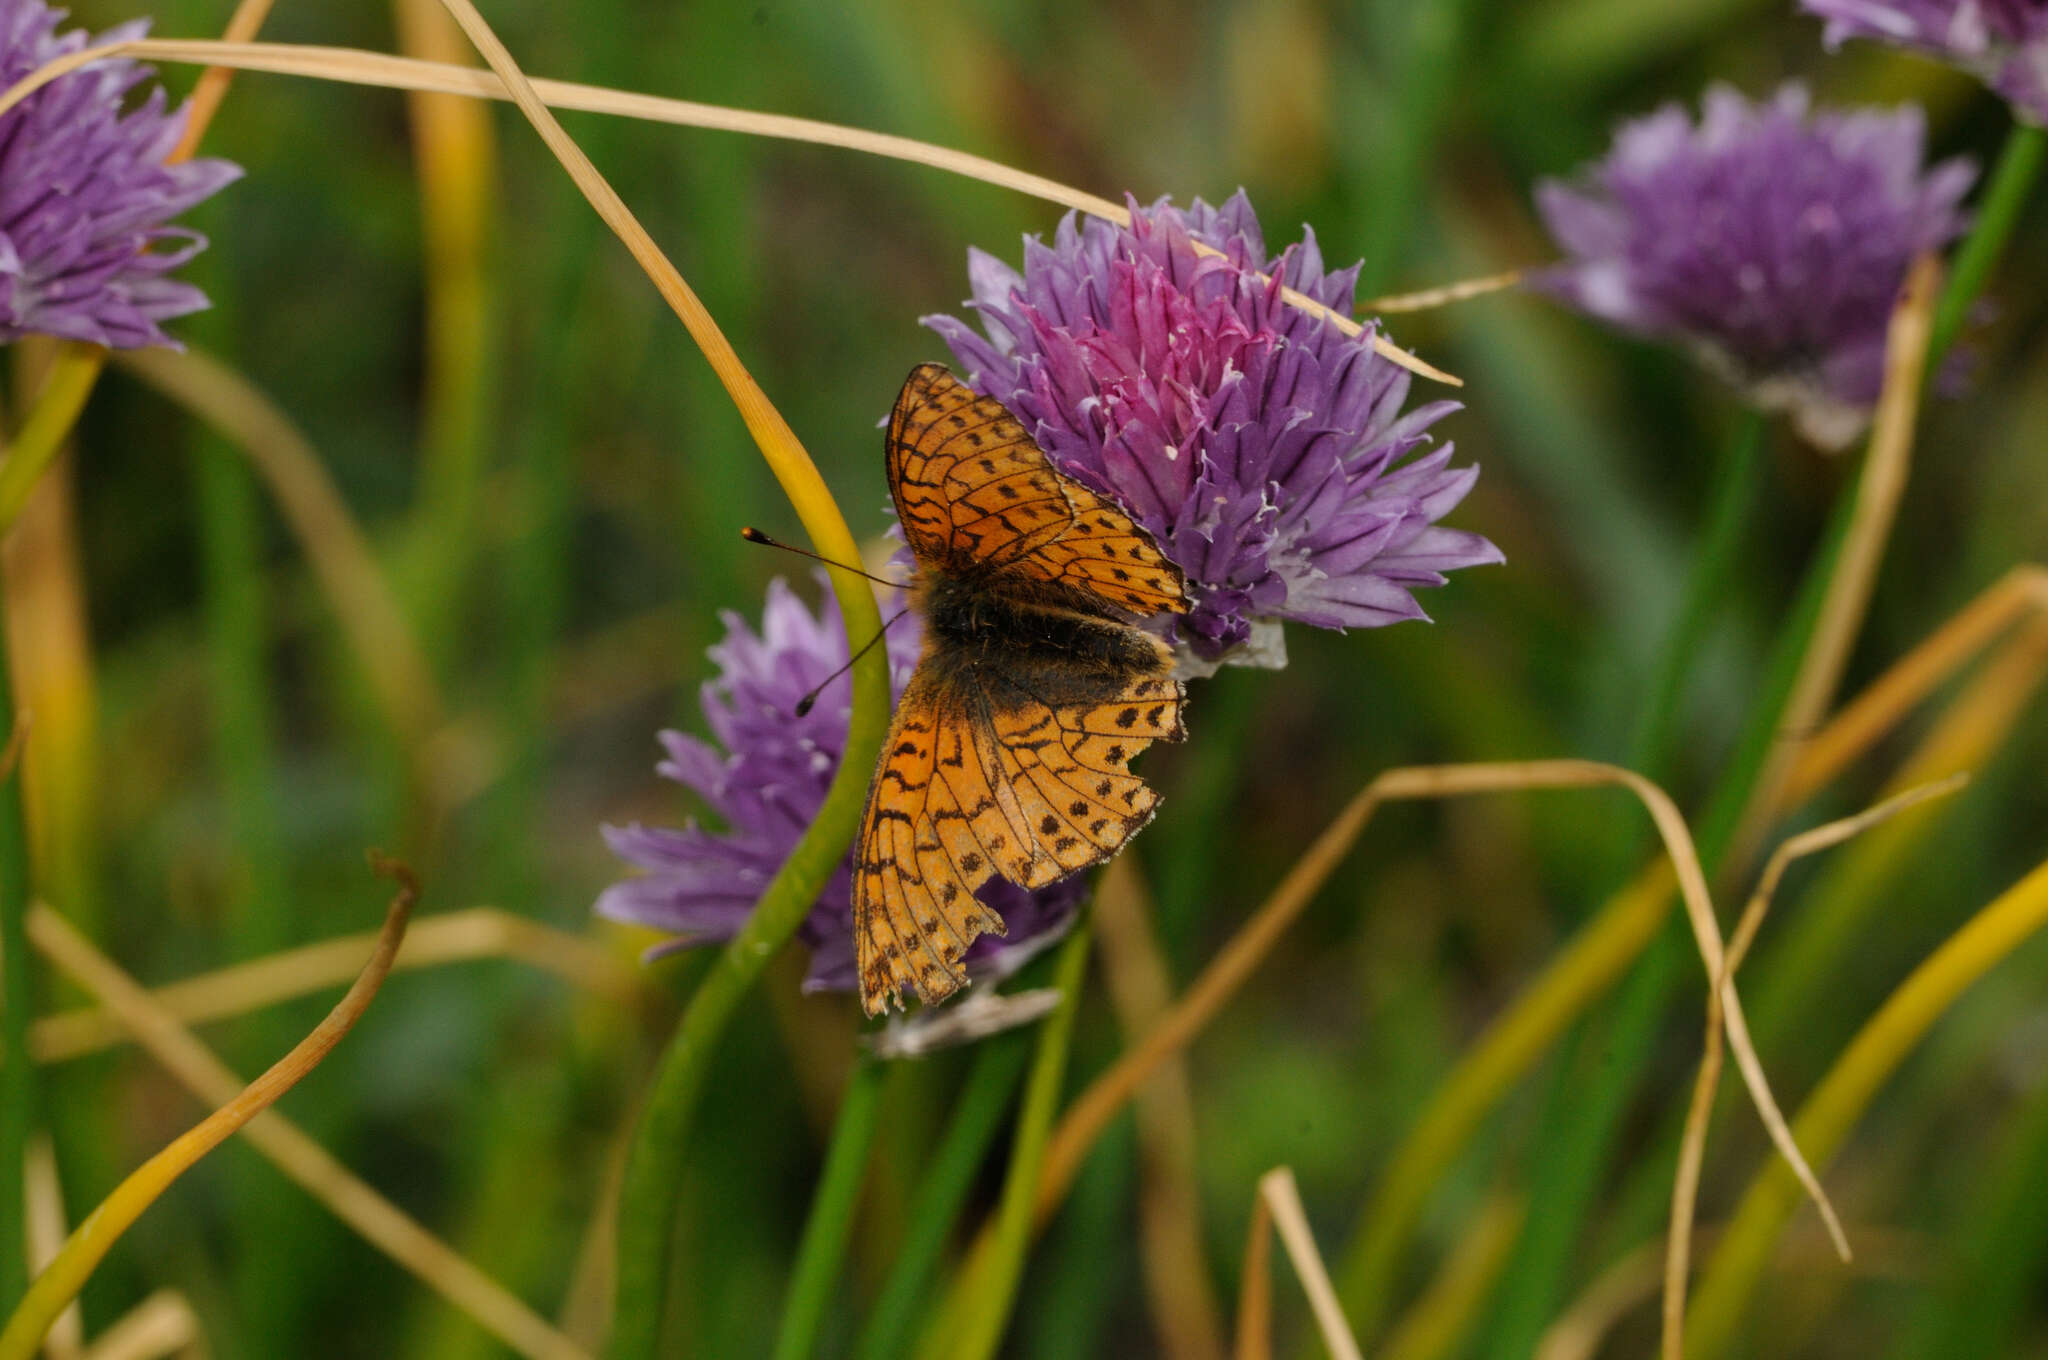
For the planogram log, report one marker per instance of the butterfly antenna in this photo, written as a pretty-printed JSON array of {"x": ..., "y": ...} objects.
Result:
[
  {"x": 805, "y": 704},
  {"x": 753, "y": 535}
]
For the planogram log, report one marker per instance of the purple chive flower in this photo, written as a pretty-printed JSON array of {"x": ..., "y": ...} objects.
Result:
[
  {"x": 765, "y": 775},
  {"x": 84, "y": 193},
  {"x": 1263, "y": 448},
  {"x": 1770, "y": 240},
  {"x": 2004, "y": 43}
]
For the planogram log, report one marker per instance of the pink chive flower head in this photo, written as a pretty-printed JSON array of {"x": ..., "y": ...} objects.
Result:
[
  {"x": 1268, "y": 452},
  {"x": 1768, "y": 238},
  {"x": 85, "y": 193}
]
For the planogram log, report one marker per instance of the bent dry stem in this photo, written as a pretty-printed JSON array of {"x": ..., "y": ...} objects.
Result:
[
  {"x": 18, "y": 1102},
  {"x": 1748, "y": 790},
  {"x": 654, "y": 1165},
  {"x": 1831, "y": 1112}
]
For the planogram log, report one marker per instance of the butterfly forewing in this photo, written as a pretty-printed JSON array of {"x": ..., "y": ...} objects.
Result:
[
  {"x": 974, "y": 492},
  {"x": 1008, "y": 758}
]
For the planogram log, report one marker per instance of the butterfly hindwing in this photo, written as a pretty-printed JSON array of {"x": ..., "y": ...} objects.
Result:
[
  {"x": 973, "y": 491},
  {"x": 989, "y": 771},
  {"x": 1009, "y": 753},
  {"x": 941, "y": 821}
]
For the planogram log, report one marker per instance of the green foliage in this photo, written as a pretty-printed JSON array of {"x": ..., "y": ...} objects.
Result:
[{"x": 573, "y": 575}]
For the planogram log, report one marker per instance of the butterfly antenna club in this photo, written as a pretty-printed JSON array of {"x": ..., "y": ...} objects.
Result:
[{"x": 753, "y": 535}]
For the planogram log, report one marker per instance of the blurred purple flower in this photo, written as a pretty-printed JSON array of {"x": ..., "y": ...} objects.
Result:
[
  {"x": 84, "y": 193},
  {"x": 1260, "y": 445},
  {"x": 2004, "y": 43},
  {"x": 1770, "y": 240},
  {"x": 765, "y": 777}
]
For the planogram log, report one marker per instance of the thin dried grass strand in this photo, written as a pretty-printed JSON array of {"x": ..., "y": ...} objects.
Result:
[
  {"x": 305, "y": 1161},
  {"x": 357, "y": 67},
  {"x": 1185, "y": 1316},
  {"x": 454, "y": 937},
  {"x": 212, "y": 86},
  {"x": 60, "y": 1281},
  {"x": 1444, "y": 294},
  {"x": 1234, "y": 963},
  {"x": 1579, "y": 1332},
  {"x": 1859, "y": 724},
  {"x": 1283, "y": 1197},
  {"x": 1883, "y": 484},
  {"x": 162, "y": 1324},
  {"x": 1255, "y": 1287},
  {"x": 1692, "y": 1147}
]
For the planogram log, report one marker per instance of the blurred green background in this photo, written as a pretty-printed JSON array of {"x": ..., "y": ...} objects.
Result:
[{"x": 552, "y": 481}]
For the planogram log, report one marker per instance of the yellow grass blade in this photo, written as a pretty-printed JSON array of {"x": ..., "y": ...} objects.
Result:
[
  {"x": 355, "y": 67},
  {"x": 380, "y": 1222},
  {"x": 58, "y": 1283},
  {"x": 1831, "y": 1112}
]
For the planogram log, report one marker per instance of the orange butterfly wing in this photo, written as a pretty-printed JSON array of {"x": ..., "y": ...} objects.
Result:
[
  {"x": 976, "y": 783},
  {"x": 973, "y": 489},
  {"x": 1010, "y": 762}
]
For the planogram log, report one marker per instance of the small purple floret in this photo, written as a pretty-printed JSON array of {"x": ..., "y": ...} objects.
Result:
[
  {"x": 85, "y": 193},
  {"x": 1769, "y": 239},
  {"x": 1265, "y": 450},
  {"x": 2004, "y": 43},
  {"x": 764, "y": 774}
]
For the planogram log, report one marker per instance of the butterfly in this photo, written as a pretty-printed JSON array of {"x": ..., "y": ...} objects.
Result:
[{"x": 1009, "y": 751}]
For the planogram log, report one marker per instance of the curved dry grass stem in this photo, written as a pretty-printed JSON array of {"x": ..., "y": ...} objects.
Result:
[
  {"x": 59, "y": 1282},
  {"x": 1282, "y": 1198},
  {"x": 1882, "y": 484},
  {"x": 1095, "y": 1107},
  {"x": 1832, "y": 1110},
  {"x": 1444, "y": 294},
  {"x": 340, "y": 554},
  {"x": 383, "y": 1224},
  {"x": 1859, "y": 724},
  {"x": 1692, "y": 1147},
  {"x": 355, "y": 67},
  {"x": 1186, "y": 1320},
  {"x": 452, "y": 937}
]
